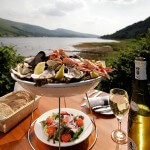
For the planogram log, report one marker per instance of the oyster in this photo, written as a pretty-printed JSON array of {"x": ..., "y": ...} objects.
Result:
[
  {"x": 73, "y": 73},
  {"x": 22, "y": 71},
  {"x": 44, "y": 78},
  {"x": 54, "y": 64},
  {"x": 28, "y": 59},
  {"x": 25, "y": 69},
  {"x": 45, "y": 75}
]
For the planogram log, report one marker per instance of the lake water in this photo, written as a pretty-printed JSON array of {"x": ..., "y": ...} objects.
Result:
[{"x": 27, "y": 46}]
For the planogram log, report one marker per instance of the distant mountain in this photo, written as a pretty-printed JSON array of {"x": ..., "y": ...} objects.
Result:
[
  {"x": 132, "y": 31},
  {"x": 10, "y": 29}
]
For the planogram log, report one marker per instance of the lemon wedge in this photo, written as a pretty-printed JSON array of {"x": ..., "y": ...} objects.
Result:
[
  {"x": 94, "y": 74},
  {"x": 60, "y": 74},
  {"x": 39, "y": 68}
]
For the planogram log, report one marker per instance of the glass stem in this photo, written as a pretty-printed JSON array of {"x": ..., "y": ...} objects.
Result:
[{"x": 119, "y": 124}]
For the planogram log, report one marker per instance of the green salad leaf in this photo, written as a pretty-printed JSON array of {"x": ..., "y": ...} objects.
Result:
[{"x": 76, "y": 135}]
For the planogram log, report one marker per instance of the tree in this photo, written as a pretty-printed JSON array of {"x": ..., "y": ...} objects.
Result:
[
  {"x": 8, "y": 59},
  {"x": 123, "y": 75}
]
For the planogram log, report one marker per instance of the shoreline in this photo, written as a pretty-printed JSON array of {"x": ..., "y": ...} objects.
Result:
[
  {"x": 101, "y": 50},
  {"x": 96, "y": 50}
]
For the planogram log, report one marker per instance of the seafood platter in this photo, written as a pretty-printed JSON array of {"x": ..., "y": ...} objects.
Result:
[{"x": 59, "y": 74}]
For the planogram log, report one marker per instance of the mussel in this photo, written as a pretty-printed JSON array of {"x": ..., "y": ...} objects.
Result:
[{"x": 40, "y": 57}]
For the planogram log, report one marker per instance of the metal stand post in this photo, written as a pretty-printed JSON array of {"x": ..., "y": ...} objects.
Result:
[
  {"x": 31, "y": 124},
  {"x": 93, "y": 121},
  {"x": 59, "y": 124}
]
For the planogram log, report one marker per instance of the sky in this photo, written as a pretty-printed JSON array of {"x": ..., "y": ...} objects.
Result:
[{"x": 98, "y": 17}]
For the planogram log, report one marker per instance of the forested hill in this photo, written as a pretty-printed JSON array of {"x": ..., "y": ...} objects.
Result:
[
  {"x": 132, "y": 31},
  {"x": 10, "y": 29}
]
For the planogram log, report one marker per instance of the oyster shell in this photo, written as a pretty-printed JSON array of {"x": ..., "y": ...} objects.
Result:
[
  {"x": 21, "y": 76},
  {"x": 45, "y": 75},
  {"x": 22, "y": 71},
  {"x": 26, "y": 69},
  {"x": 54, "y": 64},
  {"x": 28, "y": 59},
  {"x": 73, "y": 73}
]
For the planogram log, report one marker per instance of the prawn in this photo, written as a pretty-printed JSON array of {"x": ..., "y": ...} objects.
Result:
[
  {"x": 59, "y": 53},
  {"x": 70, "y": 62}
]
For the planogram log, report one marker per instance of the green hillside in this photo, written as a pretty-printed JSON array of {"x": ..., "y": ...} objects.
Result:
[
  {"x": 132, "y": 31},
  {"x": 10, "y": 28}
]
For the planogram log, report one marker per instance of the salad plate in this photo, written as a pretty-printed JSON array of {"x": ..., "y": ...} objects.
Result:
[{"x": 87, "y": 128}]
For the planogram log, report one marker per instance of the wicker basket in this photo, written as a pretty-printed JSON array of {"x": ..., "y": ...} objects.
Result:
[{"x": 9, "y": 122}]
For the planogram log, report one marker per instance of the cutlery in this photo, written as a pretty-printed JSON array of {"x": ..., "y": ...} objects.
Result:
[
  {"x": 82, "y": 105},
  {"x": 98, "y": 93},
  {"x": 106, "y": 112},
  {"x": 104, "y": 102},
  {"x": 100, "y": 106},
  {"x": 92, "y": 93},
  {"x": 102, "y": 110}
]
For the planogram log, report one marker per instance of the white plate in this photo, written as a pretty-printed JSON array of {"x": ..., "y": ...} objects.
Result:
[
  {"x": 104, "y": 111},
  {"x": 42, "y": 137},
  {"x": 59, "y": 89}
]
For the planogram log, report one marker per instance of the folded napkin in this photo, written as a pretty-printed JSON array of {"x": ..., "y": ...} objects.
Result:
[{"x": 98, "y": 101}]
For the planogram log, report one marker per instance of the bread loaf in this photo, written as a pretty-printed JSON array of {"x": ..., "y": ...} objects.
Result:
[
  {"x": 5, "y": 110},
  {"x": 16, "y": 104},
  {"x": 14, "y": 101}
]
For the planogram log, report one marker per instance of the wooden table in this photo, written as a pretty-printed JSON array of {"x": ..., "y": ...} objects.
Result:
[{"x": 16, "y": 139}]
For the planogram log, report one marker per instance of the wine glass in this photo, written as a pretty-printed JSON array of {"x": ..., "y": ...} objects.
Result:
[{"x": 119, "y": 104}]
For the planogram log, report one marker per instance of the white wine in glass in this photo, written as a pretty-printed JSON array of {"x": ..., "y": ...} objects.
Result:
[{"x": 118, "y": 100}]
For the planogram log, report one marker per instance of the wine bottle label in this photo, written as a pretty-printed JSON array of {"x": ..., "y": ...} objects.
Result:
[
  {"x": 134, "y": 106},
  {"x": 131, "y": 144},
  {"x": 140, "y": 70}
]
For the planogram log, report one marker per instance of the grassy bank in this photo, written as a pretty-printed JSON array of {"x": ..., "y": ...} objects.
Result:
[{"x": 103, "y": 51}]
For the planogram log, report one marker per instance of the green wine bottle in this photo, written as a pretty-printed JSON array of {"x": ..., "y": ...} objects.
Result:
[{"x": 139, "y": 113}]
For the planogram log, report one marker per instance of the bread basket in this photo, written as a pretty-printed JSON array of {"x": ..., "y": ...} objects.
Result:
[{"x": 8, "y": 122}]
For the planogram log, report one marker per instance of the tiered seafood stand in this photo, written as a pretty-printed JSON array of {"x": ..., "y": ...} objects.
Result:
[{"x": 61, "y": 91}]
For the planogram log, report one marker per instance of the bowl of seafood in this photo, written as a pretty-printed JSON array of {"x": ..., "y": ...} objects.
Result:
[{"x": 59, "y": 75}]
